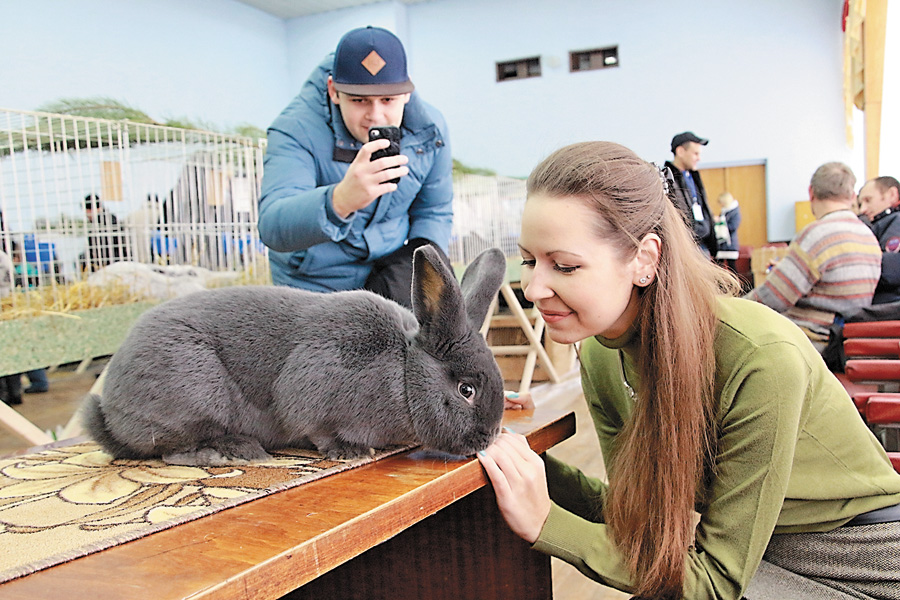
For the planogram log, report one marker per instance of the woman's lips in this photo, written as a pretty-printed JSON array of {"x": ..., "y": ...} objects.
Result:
[{"x": 553, "y": 316}]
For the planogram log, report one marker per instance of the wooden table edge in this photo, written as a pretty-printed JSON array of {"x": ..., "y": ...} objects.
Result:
[
  {"x": 302, "y": 562},
  {"x": 378, "y": 526}
]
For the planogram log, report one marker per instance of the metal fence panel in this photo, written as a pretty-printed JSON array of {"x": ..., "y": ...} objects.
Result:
[{"x": 170, "y": 203}]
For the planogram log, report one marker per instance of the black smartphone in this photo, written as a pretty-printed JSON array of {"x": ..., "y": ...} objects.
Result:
[{"x": 390, "y": 133}]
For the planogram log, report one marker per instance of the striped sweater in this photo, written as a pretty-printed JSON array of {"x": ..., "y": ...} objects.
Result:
[{"x": 832, "y": 266}]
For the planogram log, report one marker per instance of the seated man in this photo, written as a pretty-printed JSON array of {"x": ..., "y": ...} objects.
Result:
[
  {"x": 879, "y": 200},
  {"x": 832, "y": 265}
]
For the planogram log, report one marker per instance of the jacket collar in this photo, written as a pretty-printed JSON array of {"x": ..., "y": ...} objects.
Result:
[
  {"x": 884, "y": 213},
  {"x": 676, "y": 171}
]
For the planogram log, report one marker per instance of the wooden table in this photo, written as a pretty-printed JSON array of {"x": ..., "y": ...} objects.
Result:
[{"x": 406, "y": 526}]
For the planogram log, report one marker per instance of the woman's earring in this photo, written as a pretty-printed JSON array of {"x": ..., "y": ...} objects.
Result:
[{"x": 646, "y": 278}]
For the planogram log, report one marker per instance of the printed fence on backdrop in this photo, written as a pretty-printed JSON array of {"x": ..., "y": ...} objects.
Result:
[
  {"x": 174, "y": 210},
  {"x": 487, "y": 212}
]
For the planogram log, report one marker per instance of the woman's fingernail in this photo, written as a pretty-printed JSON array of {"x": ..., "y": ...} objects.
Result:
[
  {"x": 508, "y": 430},
  {"x": 512, "y": 394},
  {"x": 481, "y": 453}
]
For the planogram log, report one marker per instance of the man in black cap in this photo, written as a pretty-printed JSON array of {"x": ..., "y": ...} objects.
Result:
[
  {"x": 331, "y": 216},
  {"x": 688, "y": 193}
]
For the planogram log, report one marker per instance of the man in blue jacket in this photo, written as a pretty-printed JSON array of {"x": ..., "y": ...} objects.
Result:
[{"x": 330, "y": 216}]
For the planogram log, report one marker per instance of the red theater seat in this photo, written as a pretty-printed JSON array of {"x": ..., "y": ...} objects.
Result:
[
  {"x": 883, "y": 409},
  {"x": 881, "y": 413},
  {"x": 873, "y": 370},
  {"x": 872, "y": 329},
  {"x": 895, "y": 460},
  {"x": 872, "y": 347}
]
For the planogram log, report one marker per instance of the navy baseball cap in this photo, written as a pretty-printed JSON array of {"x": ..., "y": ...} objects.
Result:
[
  {"x": 370, "y": 61},
  {"x": 688, "y": 136}
]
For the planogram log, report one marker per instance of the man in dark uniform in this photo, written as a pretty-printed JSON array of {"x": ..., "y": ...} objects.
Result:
[
  {"x": 879, "y": 204},
  {"x": 688, "y": 193}
]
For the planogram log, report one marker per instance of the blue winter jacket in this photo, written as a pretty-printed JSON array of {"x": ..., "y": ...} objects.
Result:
[{"x": 309, "y": 151}]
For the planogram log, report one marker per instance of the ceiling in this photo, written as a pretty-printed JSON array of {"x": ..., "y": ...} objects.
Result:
[{"x": 288, "y": 9}]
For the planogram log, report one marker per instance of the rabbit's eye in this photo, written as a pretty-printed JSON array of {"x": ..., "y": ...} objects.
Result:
[{"x": 466, "y": 390}]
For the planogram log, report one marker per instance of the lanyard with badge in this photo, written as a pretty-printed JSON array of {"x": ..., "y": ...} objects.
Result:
[{"x": 695, "y": 206}]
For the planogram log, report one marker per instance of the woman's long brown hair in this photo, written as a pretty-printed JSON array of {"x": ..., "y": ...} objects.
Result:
[{"x": 664, "y": 450}]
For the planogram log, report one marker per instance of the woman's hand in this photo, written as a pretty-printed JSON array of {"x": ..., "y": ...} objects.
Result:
[
  {"x": 520, "y": 484},
  {"x": 517, "y": 401}
]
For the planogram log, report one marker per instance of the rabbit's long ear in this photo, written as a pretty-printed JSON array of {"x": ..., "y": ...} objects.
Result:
[
  {"x": 436, "y": 298},
  {"x": 480, "y": 283}
]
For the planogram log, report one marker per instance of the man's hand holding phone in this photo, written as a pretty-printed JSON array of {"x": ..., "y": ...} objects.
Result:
[{"x": 375, "y": 171}]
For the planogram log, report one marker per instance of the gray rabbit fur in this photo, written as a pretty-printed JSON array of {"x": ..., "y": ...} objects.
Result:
[{"x": 223, "y": 376}]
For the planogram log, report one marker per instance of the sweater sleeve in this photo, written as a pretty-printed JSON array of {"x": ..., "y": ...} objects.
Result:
[
  {"x": 569, "y": 487},
  {"x": 789, "y": 280},
  {"x": 574, "y": 491},
  {"x": 755, "y": 452}
]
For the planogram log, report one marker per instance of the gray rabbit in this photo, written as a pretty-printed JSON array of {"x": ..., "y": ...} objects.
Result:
[{"x": 222, "y": 376}]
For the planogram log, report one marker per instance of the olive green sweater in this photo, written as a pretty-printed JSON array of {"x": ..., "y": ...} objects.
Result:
[{"x": 793, "y": 455}]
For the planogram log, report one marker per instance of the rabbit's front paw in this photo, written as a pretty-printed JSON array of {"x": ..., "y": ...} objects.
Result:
[
  {"x": 338, "y": 450},
  {"x": 203, "y": 457},
  {"x": 228, "y": 450}
]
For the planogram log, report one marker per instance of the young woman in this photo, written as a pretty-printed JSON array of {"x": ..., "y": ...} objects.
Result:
[{"x": 718, "y": 421}]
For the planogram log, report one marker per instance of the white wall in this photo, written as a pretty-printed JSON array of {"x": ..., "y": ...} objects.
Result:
[
  {"x": 890, "y": 109},
  {"x": 760, "y": 78},
  {"x": 218, "y": 61},
  {"x": 311, "y": 38}
]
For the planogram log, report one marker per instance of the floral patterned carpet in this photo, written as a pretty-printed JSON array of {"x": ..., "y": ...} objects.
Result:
[{"x": 66, "y": 502}]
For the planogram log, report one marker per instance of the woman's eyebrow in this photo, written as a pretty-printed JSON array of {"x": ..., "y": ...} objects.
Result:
[
  {"x": 553, "y": 252},
  {"x": 566, "y": 252}
]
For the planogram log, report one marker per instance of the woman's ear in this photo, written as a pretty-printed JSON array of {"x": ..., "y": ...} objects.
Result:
[{"x": 646, "y": 261}]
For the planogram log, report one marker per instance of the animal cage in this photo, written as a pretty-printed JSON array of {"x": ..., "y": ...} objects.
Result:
[
  {"x": 487, "y": 212},
  {"x": 85, "y": 202}
]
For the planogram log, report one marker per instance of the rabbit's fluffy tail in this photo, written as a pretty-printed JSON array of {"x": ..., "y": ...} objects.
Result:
[{"x": 94, "y": 422}]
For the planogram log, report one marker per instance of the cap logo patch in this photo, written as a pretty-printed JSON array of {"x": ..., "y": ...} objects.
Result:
[{"x": 373, "y": 63}]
